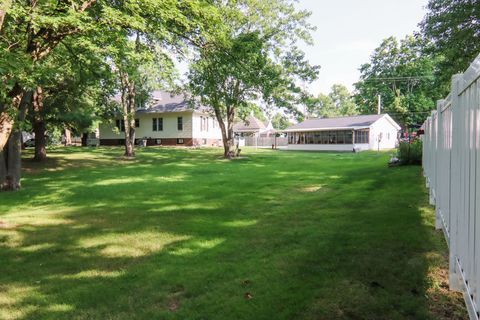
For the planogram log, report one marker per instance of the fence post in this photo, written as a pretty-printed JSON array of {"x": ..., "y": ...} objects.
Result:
[
  {"x": 439, "y": 170},
  {"x": 433, "y": 158},
  {"x": 455, "y": 194}
]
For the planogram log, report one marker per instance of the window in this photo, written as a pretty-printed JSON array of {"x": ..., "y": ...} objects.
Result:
[
  {"x": 310, "y": 138},
  {"x": 180, "y": 124},
  {"x": 332, "y": 137},
  {"x": 203, "y": 123},
  {"x": 121, "y": 125},
  {"x": 321, "y": 137},
  {"x": 137, "y": 123},
  {"x": 154, "y": 124},
  {"x": 324, "y": 137},
  {"x": 180, "y": 141},
  {"x": 340, "y": 137},
  {"x": 157, "y": 124},
  {"x": 362, "y": 136},
  {"x": 348, "y": 137}
]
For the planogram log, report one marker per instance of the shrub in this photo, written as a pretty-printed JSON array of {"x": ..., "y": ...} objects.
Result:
[{"x": 410, "y": 153}]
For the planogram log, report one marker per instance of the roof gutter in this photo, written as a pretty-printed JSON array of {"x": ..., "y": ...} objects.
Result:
[{"x": 325, "y": 129}]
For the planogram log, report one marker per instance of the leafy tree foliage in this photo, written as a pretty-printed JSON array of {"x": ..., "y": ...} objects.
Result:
[
  {"x": 403, "y": 76},
  {"x": 254, "y": 60},
  {"x": 280, "y": 121},
  {"x": 32, "y": 31},
  {"x": 339, "y": 102},
  {"x": 453, "y": 28}
]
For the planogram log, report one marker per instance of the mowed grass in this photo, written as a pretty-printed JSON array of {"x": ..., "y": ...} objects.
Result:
[{"x": 182, "y": 234}]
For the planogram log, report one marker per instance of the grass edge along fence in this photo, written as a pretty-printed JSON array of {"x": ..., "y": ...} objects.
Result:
[{"x": 451, "y": 163}]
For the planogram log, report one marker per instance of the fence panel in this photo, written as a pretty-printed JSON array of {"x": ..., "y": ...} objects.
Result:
[{"x": 451, "y": 164}]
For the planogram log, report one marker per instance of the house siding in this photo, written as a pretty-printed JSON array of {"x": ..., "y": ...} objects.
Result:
[
  {"x": 191, "y": 133},
  {"x": 211, "y": 135},
  {"x": 384, "y": 127},
  {"x": 389, "y": 135}
]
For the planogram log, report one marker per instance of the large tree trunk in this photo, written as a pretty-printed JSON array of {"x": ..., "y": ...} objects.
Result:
[
  {"x": 39, "y": 126},
  {"x": 3, "y": 169},
  {"x": 6, "y": 120},
  {"x": 40, "y": 140},
  {"x": 84, "y": 139},
  {"x": 129, "y": 139},
  {"x": 6, "y": 125},
  {"x": 11, "y": 155},
  {"x": 128, "y": 104},
  {"x": 4, "y": 6},
  {"x": 227, "y": 131},
  {"x": 14, "y": 162}
]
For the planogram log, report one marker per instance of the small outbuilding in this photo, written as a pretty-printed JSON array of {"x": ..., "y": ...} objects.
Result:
[
  {"x": 254, "y": 132},
  {"x": 354, "y": 133}
]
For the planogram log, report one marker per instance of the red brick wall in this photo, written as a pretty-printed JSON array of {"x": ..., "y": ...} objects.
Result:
[{"x": 187, "y": 142}]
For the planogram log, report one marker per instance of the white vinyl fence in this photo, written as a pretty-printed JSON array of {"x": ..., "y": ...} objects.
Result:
[
  {"x": 266, "y": 141},
  {"x": 451, "y": 162}
]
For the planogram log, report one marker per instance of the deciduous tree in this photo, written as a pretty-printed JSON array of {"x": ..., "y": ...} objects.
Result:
[
  {"x": 253, "y": 60},
  {"x": 453, "y": 29},
  {"x": 403, "y": 76}
]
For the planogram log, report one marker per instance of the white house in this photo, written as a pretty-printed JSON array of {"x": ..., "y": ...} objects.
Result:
[
  {"x": 253, "y": 126},
  {"x": 171, "y": 121},
  {"x": 253, "y": 132},
  {"x": 355, "y": 133}
]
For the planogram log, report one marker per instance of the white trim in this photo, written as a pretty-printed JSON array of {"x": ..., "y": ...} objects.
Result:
[
  {"x": 329, "y": 147},
  {"x": 386, "y": 116},
  {"x": 390, "y": 119},
  {"x": 326, "y": 129}
]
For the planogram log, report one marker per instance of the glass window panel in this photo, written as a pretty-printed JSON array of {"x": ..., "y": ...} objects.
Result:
[
  {"x": 340, "y": 137},
  {"x": 348, "y": 137},
  {"x": 180, "y": 123},
  {"x": 154, "y": 124}
]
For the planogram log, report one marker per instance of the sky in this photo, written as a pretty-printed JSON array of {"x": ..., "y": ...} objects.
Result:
[{"x": 349, "y": 30}]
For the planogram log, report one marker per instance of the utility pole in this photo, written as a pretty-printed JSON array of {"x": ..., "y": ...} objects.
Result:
[{"x": 379, "y": 108}]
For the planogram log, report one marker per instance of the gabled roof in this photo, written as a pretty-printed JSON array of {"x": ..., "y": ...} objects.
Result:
[
  {"x": 167, "y": 102},
  {"x": 251, "y": 124},
  {"x": 345, "y": 123}
]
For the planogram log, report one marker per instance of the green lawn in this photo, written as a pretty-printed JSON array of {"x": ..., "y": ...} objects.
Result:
[{"x": 181, "y": 234}]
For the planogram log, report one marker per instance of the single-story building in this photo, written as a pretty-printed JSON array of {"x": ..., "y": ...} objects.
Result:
[
  {"x": 254, "y": 132},
  {"x": 170, "y": 121},
  {"x": 253, "y": 126},
  {"x": 354, "y": 133}
]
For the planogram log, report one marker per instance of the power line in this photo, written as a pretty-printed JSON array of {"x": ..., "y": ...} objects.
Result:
[{"x": 373, "y": 79}]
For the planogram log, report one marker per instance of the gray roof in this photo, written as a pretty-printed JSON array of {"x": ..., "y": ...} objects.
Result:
[
  {"x": 167, "y": 102},
  {"x": 163, "y": 101},
  {"x": 251, "y": 124},
  {"x": 353, "y": 122}
]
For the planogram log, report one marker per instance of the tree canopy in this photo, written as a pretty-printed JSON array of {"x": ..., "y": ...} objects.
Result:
[
  {"x": 453, "y": 29},
  {"x": 339, "y": 102},
  {"x": 255, "y": 62},
  {"x": 34, "y": 33},
  {"x": 403, "y": 76}
]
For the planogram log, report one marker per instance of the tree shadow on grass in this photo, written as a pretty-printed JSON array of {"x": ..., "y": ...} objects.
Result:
[{"x": 195, "y": 239}]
